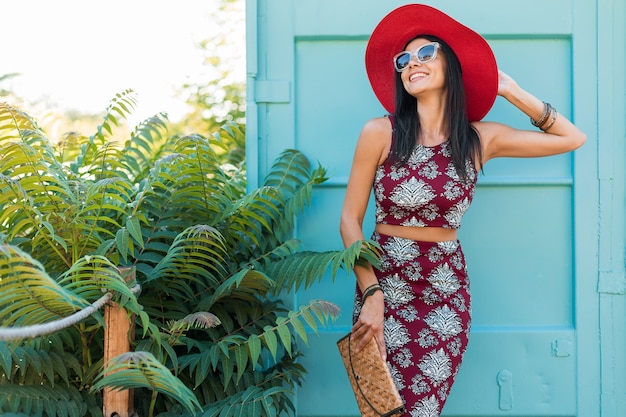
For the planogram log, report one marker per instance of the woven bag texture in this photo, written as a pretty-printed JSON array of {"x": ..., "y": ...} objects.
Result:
[{"x": 374, "y": 388}]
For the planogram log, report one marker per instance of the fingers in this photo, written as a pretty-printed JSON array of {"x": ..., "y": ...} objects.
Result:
[
  {"x": 362, "y": 341},
  {"x": 381, "y": 347},
  {"x": 370, "y": 323},
  {"x": 362, "y": 334}
]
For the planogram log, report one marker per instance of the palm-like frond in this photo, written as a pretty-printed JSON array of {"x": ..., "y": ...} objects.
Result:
[
  {"x": 30, "y": 297},
  {"x": 46, "y": 400},
  {"x": 200, "y": 320},
  {"x": 244, "y": 285},
  {"x": 119, "y": 108},
  {"x": 147, "y": 143},
  {"x": 253, "y": 402},
  {"x": 198, "y": 250},
  {"x": 47, "y": 363},
  {"x": 35, "y": 191},
  {"x": 230, "y": 141},
  {"x": 15, "y": 124},
  {"x": 27, "y": 289},
  {"x": 59, "y": 213},
  {"x": 22, "y": 217},
  {"x": 291, "y": 173},
  {"x": 92, "y": 276},
  {"x": 234, "y": 354},
  {"x": 141, "y": 369},
  {"x": 303, "y": 269},
  {"x": 284, "y": 374},
  {"x": 250, "y": 221}
]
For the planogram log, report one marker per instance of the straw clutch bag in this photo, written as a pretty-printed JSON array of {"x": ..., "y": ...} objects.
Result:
[{"x": 375, "y": 391}]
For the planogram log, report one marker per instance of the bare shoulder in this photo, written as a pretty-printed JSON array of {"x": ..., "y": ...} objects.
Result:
[
  {"x": 376, "y": 137},
  {"x": 379, "y": 128},
  {"x": 376, "y": 133}
]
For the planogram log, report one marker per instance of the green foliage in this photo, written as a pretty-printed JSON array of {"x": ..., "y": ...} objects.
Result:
[
  {"x": 220, "y": 95},
  {"x": 213, "y": 336},
  {"x": 34, "y": 400}
]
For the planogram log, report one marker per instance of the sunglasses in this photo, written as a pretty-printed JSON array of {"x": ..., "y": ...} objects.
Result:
[{"x": 424, "y": 54}]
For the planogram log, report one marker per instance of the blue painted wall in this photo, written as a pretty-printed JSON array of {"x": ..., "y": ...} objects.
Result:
[{"x": 544, "y": 238}]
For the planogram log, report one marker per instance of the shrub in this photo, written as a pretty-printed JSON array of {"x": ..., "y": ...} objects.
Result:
[{"x": 212, "y": 261}]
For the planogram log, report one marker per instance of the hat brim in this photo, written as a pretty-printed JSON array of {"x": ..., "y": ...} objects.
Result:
[{"x": 478, "y": 63}]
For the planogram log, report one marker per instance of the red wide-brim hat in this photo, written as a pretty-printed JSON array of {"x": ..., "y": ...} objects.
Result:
[{"x": 478, "y": 63}]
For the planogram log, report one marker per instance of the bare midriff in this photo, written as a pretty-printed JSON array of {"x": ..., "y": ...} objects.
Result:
[{"x": 424, "y": 234}]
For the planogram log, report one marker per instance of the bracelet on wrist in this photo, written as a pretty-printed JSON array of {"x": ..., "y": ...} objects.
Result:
[
  {"x": 552, "y": 120},
  {"x": 369, "y": 291},
  {"x": 547, "y": 108},
  {"x": 376, "y": 284}
]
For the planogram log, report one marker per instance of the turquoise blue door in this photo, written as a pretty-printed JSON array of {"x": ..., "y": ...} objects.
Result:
[{"x": 547, "y": 281}]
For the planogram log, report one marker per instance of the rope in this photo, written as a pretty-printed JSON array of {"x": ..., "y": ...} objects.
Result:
[{"x": 27, "y": 332}]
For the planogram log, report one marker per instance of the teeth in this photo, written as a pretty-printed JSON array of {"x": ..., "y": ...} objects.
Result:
[{"x": 417, "y": 75}]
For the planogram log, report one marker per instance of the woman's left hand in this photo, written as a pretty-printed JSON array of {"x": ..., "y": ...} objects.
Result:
[{"x": 505, "y": 83}]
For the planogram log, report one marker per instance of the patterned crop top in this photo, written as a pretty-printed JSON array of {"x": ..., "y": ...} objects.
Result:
[{"x": 424, "y": 192}]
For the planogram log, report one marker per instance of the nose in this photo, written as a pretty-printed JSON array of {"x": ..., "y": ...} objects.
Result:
[{"x": 413, "y": 61}]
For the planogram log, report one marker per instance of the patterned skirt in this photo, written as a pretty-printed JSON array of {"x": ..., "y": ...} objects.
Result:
[{"x": 427, "y": 318}]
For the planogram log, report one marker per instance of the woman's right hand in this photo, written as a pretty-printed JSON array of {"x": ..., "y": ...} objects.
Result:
[
  {"x": 371, "y": 150},
  {"x": 371, "y": 323}
]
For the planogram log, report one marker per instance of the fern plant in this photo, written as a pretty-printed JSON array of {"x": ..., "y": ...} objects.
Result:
[{"x": 213, "y": 336}]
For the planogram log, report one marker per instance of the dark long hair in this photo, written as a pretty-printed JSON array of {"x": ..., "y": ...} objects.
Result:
[{"x": 464, "y": 139}]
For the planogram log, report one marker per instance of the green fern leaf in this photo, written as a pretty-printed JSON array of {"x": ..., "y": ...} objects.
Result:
[
  {"x": 303, "y": 269},
  {"x": 246, "y": 284},
  {"x": 298, "y": 326},
  {"x": 60, "y": 365},
  {"x": 145, "y": 145},
  {"x": 41, "y": 400},
  {"x": 199, "y": 320},
  {"x": 284, "y": 334},
  {"x": 270, "y": 340},
  {"x": 189, "y": 251},
  {"x": 121, "y": 104},
  {"x": 134, "y": 228},
  {"x": 228, "y": 369},
  {"x": 242, "y": 402},
  {"x": 25, "y": 287},
  {"x": 241, "y": 358},
  {"x": 122, "y": 238},
  {"x": 6, "y": 361},
  {"x": 254, "y": 348},
  {"x": 141, "y": 369}
]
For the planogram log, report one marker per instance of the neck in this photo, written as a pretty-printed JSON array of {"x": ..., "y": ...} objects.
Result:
[{"x": 431, "y": 114}]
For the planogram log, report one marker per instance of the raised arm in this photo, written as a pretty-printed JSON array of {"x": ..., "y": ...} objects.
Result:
[{"x": 558, "y": 134}]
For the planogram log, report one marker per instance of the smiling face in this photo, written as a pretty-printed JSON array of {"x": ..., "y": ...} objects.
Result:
[{"x": 418, "y": 78}]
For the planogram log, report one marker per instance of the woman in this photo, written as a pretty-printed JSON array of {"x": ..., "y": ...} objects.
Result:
[{"x": 438, "y": 79}]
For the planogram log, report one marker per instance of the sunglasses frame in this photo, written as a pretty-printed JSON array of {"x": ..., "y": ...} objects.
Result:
[{"x": 415, "y": 53}]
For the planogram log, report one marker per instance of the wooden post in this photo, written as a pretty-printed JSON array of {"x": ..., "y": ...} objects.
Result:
[{"x": 117, "y": 334}]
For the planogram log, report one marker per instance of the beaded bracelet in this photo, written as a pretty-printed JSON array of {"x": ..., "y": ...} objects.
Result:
[
  {"x": 554, "y": 113},
  {"x": 547, "y": 108},
  {"x": 370, "y": 291}
]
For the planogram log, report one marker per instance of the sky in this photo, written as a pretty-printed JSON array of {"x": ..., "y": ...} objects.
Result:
[{"x": 78, "y": 54}]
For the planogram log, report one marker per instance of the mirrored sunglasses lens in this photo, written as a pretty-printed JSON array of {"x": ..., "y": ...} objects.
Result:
[
  {"x": 402, "y": 61},
  {"x": 426, "y": 53}
]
